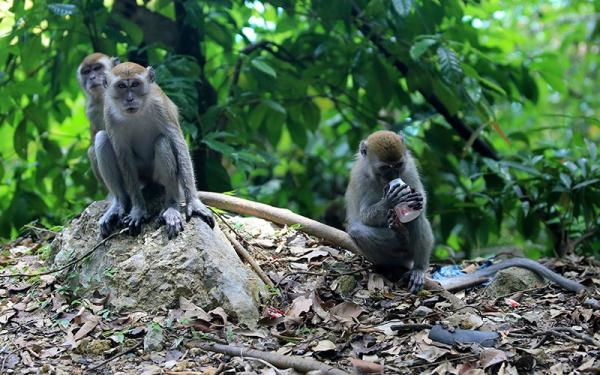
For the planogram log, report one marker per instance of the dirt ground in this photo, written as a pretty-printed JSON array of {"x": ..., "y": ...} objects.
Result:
[{"x": 326, "y": 305}]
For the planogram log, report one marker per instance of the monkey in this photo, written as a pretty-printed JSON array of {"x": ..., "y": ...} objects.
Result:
[
  {"x": 343, "y": 240},
  {"x": 143, "y": 143},
  {"x": 383, "y": 158},
  {"x": 91, "y": 75}
]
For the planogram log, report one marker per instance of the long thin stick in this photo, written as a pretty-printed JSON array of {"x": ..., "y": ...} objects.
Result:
[
  {"x": 116, "y": 356},
  {"x": 73, "y": 262},
  {"x": 282, "y": 361},
  {"x": 239, "y": 249}
]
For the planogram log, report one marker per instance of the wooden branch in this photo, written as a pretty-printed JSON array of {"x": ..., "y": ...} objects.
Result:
[
  {"x": 280, "y": 216},
  {"x": 279, "y": 360},
  {"x": 242, "y": 253}
]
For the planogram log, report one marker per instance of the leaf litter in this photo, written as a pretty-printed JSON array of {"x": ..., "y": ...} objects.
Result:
[{"x": 328, "y": 305}]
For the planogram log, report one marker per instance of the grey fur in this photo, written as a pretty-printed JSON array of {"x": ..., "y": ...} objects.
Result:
[{"x": 367, "y": 211}]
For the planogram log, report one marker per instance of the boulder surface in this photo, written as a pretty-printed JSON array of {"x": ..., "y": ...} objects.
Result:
[{"x": 149, "y": 271}]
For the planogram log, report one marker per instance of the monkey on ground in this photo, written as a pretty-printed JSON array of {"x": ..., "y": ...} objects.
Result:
[
  {"x": 392, "y": 247},
  {"x": 143, "y": 143},
  {"x": 91, "y": 75}
]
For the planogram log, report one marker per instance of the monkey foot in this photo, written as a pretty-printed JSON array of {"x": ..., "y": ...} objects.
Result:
[
  {"x": 416, "y": 281},
  {"x": 111, "y": 219},
  {"x": 171, "y": 218},
  {"x": 196, "y": 208},
  {"x": 134, "y": 220}
]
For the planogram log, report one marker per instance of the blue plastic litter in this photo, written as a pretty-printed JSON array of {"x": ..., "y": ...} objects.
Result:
[{"x": 454, "y": 270}]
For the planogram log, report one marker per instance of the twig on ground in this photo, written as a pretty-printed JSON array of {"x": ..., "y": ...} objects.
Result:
[
  {"x": 281, "y": 361},
  {"x": 245, "y": 255},
  {"x": 96, "y": 367},
  {"x": 580, "y": 338},
  {"x": 588, "y": 339},
  {"x": 436, "y": 363},
  {"x": 410, "y": 327},
  {"x": 71, "y": 263},
  {"x": 320, "y": 274}
]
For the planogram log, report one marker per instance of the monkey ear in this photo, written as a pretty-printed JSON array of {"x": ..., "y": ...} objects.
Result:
[
  {"x": 363, "y": 148},
  {"x": 151, "y": 74},
  {"x": 115, "y": 61}
]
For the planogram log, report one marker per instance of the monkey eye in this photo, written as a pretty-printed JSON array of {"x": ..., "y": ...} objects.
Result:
[
  {"x": 98, "y": 67},
  {"x": 135, "y": 84},
  {"x": 121, "y": 85},
  {"x": 85, "y": 71}
]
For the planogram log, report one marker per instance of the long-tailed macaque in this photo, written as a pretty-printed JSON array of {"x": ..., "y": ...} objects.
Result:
[
  {"x": 143, "y": 143},
  {"x": 382, "y": 158},
  {"x": 91, "y": 75}
]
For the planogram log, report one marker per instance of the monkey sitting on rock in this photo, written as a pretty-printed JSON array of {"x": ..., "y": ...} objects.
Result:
[
  {"x": 91, "y": 75},
  {"x": 143, "y": 144}
]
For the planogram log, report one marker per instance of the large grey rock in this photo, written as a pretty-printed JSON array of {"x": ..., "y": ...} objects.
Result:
[
  {"x": 512, "y": 280},
  {"x": 148, "y": 271}
]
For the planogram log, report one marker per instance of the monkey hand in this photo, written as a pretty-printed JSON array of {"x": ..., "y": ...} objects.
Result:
[
  {"x": 394, "y": 193},
  {"x": 135, "y": 219},
  {"x": 413, "y": 198},
  {"x": 416, "y": 281},
  {"x": 111, "y": 218},
  {"x": 171, "y": 218},
  {"x": 196, "y": 208}
]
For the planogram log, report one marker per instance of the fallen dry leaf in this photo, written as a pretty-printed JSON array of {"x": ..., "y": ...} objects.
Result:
[
  {"x": 87, "y": 327},
  {"x": 490, "y": 356},
  {"x": 346, "y": 311},
  {"x": 323, "y": 346},
  {"x": 300, "y": 305}
]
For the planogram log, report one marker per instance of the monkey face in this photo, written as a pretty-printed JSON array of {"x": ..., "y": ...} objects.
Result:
[
  {"x": 129, "y": 94},
  {"x": 93, "y": 76},
  {"x": 388, "y": 171}
]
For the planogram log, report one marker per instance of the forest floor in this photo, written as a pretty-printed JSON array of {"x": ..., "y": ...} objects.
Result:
[{"x": 327, "y": 305}]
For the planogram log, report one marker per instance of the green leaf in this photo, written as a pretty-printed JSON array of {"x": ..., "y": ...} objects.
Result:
[
  {"x": 450, "y": 64},
  {"x": 566, "y": 180},
  {"x": 264, "y": 67},
  {"x": 421, "y": 46},
  {"x": 62, "y": 9},
  {"x": 256, "y": 116},
  {"x": 585, "y": 183},
  {"x": 275, "y": 106},
  {"x": 592, "y": 148},
  {"x": 403, "y": 7},
  {"x": 311, "y": 115},
  {"x": 218, "y": 146},
  {"x": 20, "y": 139},
  {"x": 472, "y": 88}
]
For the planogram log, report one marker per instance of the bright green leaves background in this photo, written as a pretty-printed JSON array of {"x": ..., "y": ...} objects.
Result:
[{"x": 497, "y": 99}]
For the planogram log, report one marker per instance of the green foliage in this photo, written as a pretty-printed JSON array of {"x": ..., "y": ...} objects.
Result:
[{"x": 274, "y": 97}]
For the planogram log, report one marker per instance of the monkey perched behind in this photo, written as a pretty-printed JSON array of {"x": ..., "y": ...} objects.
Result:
[
  {"x": 382, "y": 158},
  {"x": 143, "y": 143},
  {"x": 91, "y": 75}
]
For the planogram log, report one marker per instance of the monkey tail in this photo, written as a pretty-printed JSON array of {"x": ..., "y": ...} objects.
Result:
[{"x": 529, "y": 264}]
